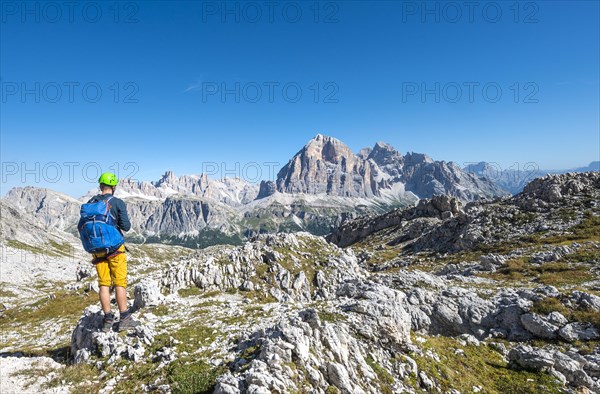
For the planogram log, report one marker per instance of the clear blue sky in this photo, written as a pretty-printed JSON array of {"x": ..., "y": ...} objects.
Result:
[{"x": 165, "y": 63}]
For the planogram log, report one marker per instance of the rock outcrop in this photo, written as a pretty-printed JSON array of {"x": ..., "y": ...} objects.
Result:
[
  {"x": 437, "y": 307},
  {"x": 569, "y": 367},
  {"x": 282, "y": 265},
  {"x": 326, "y": 354},
  {"x": 88, "y": 340},
  {"x": 416, "y": 220},
  {"x": 147, "y": 293},
  {"x": 441, "y": 224},
  {"x": 553, "y": 189}
]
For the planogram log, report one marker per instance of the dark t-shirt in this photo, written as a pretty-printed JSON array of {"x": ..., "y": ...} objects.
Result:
[{"x": 118, "y": 210}]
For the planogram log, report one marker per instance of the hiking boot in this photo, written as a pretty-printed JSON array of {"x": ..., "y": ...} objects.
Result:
[
  {"x": 107, "y": 324},
  {"x": 128, "y": 323}
]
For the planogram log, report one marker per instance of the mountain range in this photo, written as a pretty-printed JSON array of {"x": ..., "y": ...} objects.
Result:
[
  {"x": 321, "y": 186},
  {"x": 514, "y": 180}
]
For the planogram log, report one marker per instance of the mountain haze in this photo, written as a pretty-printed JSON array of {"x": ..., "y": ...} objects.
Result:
[{"x": 514, "y": 180}]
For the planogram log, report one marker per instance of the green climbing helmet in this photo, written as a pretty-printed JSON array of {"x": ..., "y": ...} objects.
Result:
[{"x": 108, "y": 178}]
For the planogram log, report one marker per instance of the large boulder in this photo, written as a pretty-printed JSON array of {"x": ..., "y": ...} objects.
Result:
[
  {"x": 530, "y": 358},
  {"x": 539, "y": 326},
  {"x": 586, "y": 301},
  {"x": 570, "y": 367},
  {"x": 147, "y": 293},
  {"x": 579, "y": 332},
  {"x": 457, "y": 310},
  {"x": 380, "y": 310}
]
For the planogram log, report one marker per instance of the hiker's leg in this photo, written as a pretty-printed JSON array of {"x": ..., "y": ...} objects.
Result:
[
  {"x": 121, "y": 296},
  {"x": 105, "y": 299},
  {"x": 104, "y": 282},
  {"x": 118, "y": 272}
]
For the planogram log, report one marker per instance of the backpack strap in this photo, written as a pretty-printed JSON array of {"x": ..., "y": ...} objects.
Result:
[
  {"x": 107, "y": 202},
  {"x": 109, "y": 216}
]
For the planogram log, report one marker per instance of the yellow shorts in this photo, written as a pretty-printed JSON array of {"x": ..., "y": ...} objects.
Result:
[{"x": 113, "y": 271}]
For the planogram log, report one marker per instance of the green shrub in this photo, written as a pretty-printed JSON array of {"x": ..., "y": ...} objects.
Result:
[{"x": 193, "y": 377}]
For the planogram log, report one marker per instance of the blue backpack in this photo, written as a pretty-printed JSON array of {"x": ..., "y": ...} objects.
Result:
[{"x": 97, "y": 229}]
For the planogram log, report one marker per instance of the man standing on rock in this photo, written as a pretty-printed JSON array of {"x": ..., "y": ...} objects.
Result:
[{"x": 103, "y": 219}]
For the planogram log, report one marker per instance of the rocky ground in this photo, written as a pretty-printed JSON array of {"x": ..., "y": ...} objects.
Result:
[{"x": 497, "y": 296}]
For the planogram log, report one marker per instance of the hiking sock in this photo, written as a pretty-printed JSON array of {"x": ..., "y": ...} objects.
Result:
[
  {"x": 109, "y": 317},
  {"x": 125, "y": 315}
]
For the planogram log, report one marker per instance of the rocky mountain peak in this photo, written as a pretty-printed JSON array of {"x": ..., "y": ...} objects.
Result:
[
  {"x": 326, "y": 148},
  {"x": 266, "y": 188},
  {"x": 380, "y": 145},
  {"x": 417, "y": 158},
  {"x": 384, "y": 154},
  {"x": 168, "y": 178},
  {"x": 321, "y": 185},
  {"x": 478, "y": 168},
  {"x": 52, "y": 209},
  {"x": 594, "y": 166},
  {"x": 364, "y": 153},
  {"x": 327, "y": 165}
]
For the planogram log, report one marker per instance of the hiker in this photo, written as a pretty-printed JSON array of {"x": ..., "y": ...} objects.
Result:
[{"x": 103, "y": 220}]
